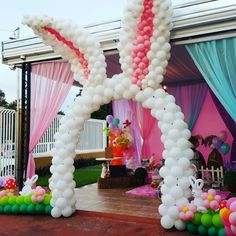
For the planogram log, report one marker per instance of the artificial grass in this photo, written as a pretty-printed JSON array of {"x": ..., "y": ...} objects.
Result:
[{"x": 82, "y": 176}]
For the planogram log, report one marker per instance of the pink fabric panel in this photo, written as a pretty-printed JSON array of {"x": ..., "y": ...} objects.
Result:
[
  {"x": 210, "y": 123},
  {"x": 156, "y": 146},
  {"x": 50, "y": 84}
]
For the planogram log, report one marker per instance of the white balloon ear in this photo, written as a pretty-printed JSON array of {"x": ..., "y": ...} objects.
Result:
[
  {"x": 192, "y": 180},
  {"x": 199, "y": 183}
]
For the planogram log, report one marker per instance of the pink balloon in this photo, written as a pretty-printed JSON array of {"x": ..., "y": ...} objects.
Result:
[
  {"x": 214, "y": 205},
  {"x": 228, "y": 231},
  {"x": 233, "y": 229},
  {"x": 231, "y": 200},
  {"x": 233, "y": 206},
  {"x": 232, "y": 218},
  {"x": 223, "y": 135}
]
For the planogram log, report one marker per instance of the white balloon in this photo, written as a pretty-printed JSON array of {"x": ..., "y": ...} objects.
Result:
[
  {"x": 56, "y": 212},
  {"x": 163, "y": 172},
  {"x": 188, "y": 153},
  {"x": 165, "y": 189},
  {"x": 162, "y": 210},
  {"x": 61, "y": 203},
  {"x": 68, "y": 211},
  {"x": 61, "y": 185},
  {"x": 167, "y": 222},
  {"x": 183, "y": 182},
  {"x": 182, "y": 201},
  {"x": 170, "y": 180},
  {"x": 68, "y": 193},
  {"x": 176, "y": 192},
  {"x": 176, "y": 171},
  {"x": 173, "y": 212},
  {"x": 170, "y": 162},
  {"x": 184, "y": 163},
  {"x": 180, "y": 225},
  {"x": 167, "y": 200}
]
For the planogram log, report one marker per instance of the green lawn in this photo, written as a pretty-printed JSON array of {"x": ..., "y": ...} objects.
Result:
[{"x": 82, "y": 176}]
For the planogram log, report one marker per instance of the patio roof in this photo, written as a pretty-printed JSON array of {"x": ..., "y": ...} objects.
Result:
[{"x": 192, "y": 23}]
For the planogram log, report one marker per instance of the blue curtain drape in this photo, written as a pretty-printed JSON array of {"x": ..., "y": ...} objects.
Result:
[
  {"x": 190, "y": 98},
  {"x": 216, "y": 60}
]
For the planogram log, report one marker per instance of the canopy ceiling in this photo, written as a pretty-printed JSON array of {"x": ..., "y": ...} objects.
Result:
[{"x": 181, "y": 68}]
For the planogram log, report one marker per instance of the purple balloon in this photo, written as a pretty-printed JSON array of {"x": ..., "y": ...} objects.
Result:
[
  {"x": 109, "y": 119},
  {"x": 216, "y": 142},
  {"x": 112, "y": 127}
]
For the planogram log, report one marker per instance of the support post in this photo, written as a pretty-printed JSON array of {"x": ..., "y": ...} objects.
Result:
[{"x": 25, "y": 122}]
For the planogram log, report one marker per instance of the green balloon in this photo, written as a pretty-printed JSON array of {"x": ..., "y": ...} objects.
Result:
[
  {"x": 197, "y": 218},
  {"x": 39, "y": 208},
  {"x": 206, "y": 220},
  {"x": 7, "y": 209},
  {"x": 23, "y": 208},
  {"x": 213, "y": 231},
  {"x": 4, "y": 200},
  {"x": 31, "y": 208},
  {"x": 222, "y": 232},
  {"x": 217, "y": 222},
  {"x": 20, "y": 200},
  {"x": 1, "y": 209},
  {"x": 202, "y": 230},
  {"x": 225, "y": 148},
  {"x": 192, "y": 228},
  {"x": 15, "y": 209},
  {"x": 47, "y": 199},
  {"x": 116, "y": 122},
  {"x": 12, "y": 200},
  {"x": 27, "y": 199},
  {"x": 48, "y": 209}
]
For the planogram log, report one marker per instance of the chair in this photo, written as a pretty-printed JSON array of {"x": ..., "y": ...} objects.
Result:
[{"x": 214, "y": 177}]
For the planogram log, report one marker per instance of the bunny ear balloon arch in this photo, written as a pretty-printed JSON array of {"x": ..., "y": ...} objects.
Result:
[{"x": 144, "y": 52}]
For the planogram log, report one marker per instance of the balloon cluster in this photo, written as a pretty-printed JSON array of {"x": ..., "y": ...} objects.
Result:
[
  {"x": 120, "y": 139},
  {"x": 218, "y": 142},
  {"x": 218, "y": 219},
  {"x": 205, "y": 223},
  {"x": 228, "y": 214}
]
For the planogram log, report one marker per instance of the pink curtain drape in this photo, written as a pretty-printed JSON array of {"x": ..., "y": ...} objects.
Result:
[
  {"x": 50, "y": 84},
  {"x": 145, "y": 123}
]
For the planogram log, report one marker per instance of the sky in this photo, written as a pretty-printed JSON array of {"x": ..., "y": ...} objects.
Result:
[{"x": 81, "y": 12}]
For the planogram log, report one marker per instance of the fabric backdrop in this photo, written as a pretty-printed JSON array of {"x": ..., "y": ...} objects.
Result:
[{"x": 50, "y": 84}]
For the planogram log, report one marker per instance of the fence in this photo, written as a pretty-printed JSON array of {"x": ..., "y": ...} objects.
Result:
[
  {"x": 7, "y": 142},
  {"x": 213, "y": 176},
  {"x": 92, "y": 139}
]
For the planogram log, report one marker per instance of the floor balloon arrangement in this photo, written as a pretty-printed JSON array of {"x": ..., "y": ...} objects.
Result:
[
  {"x": 28, "y": 201},
  {"x": 209, "y": 215}
]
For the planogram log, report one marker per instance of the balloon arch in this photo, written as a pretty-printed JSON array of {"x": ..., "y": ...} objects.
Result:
[{"x": 144, "y": 51}]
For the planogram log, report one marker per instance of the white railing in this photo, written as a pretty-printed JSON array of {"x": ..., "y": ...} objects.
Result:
[
  {"x": 92, "y": 139},
  {"x": 7, "y": 142}
]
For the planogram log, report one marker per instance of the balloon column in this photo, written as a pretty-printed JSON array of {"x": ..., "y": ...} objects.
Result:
[
  {"x": 120, "y": 139},
  {"x": 144, "y": 51}
]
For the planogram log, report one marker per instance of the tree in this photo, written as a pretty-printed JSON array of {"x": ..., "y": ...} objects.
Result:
[
  {"x": 12, "y": 105},
  {"x": 3, "y": 101}
]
